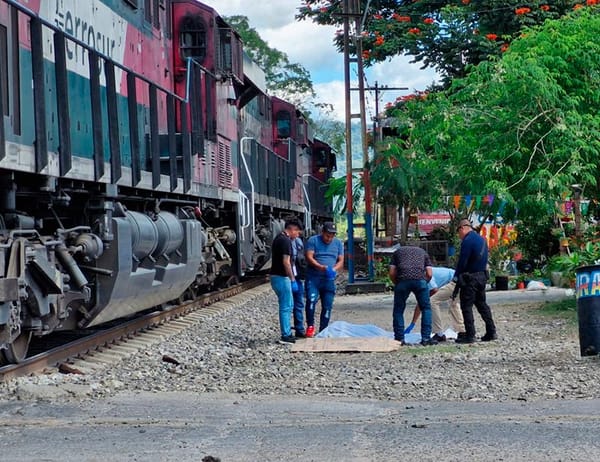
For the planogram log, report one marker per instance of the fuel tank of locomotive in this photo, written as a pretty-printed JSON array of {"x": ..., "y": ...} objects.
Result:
[
  {"x": 152, "y": 260},
  {"x": 101, "y": 267}
]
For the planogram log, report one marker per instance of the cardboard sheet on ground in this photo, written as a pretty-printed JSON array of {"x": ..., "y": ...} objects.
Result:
[
  {"x": 344, "y": 336},
  {"x": 346, "y": 344}
]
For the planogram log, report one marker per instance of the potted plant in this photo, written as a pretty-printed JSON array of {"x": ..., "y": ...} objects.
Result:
[
  {"x": 541, "y": 274},
  {"x": 498, "y": 260},
  {"x": 590, "y": 253},
  {"x": 563, "y": 268},
  {"x": 521, "y": 281},
  {"x": 559, "y": 233}
]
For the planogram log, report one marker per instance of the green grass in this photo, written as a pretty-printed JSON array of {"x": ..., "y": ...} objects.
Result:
[
  {"x": 566, "y": 309},
  {"x": 444, "y": 347}
]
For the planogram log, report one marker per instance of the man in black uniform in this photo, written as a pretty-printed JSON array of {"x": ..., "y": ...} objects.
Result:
[
  {"x": 471, "y": 277},
  {"x": 283, "y": 280}
]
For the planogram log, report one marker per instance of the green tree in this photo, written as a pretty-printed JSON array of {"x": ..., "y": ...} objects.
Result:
[
  {"x": 529, "y": 121},
  {"x": 287, "y": 80},
  {"x": 524, "y": 127},
  {"x": 402, "y": 180},
  {"x": 446, "y": 35},
  {"x": 336, "y": 193}
]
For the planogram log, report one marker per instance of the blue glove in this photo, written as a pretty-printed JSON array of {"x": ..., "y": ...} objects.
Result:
[
  {"x": 330, "y": 273},
  {"x": 295, "y": 287},
  {"x": 410, "y": 327}
]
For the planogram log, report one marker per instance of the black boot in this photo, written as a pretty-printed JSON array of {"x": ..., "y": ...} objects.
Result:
[{"x": 489, "y": 336}]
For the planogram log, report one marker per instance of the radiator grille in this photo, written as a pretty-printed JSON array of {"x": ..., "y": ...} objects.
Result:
[{"x": 225, "y": 174}]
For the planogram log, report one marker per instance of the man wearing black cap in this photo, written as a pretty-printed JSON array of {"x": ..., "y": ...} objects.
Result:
[
  {"x": 471, "y": 277},
  {"x": 325, "y": 257},
  {"x": 283, "y": 279}
]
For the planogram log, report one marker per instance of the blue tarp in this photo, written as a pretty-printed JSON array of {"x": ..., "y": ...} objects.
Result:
[{"x": 339, "y": 329}]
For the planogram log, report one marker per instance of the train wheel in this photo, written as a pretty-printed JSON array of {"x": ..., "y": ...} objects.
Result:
[
  {"x": 17, "y": 351},
  {"x": 231, "y": 281},
  {"x": 189, "y": 294}
]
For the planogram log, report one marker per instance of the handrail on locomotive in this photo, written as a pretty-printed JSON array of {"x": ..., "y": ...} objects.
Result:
[{"x": 197, "y": 187}]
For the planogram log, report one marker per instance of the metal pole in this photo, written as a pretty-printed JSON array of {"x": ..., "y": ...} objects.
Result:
[
  {"x": 349, "y": 205},
  {"x": 375, "y": 140},
  {"x": 365, "y": 148},
  {"x": 377, "y": 137}
]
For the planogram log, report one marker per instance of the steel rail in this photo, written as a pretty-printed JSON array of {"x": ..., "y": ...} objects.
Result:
[{"x": 91, "y": 343}]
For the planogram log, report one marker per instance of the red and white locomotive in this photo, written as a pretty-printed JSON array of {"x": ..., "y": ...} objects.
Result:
[{"x": 141, "y": 160}]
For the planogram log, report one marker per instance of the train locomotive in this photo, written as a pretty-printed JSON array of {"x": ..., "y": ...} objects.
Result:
[{"x": 141, "y": 161}]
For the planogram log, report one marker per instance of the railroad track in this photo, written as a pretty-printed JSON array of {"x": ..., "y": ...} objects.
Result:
[{"x": 122, "y": 334}]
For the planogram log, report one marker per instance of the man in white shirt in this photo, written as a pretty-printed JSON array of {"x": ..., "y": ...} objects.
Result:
[{"x": 441, "y": 288}]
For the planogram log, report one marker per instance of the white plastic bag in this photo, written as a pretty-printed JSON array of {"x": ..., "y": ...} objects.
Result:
[{"x": 536, "y": 285}]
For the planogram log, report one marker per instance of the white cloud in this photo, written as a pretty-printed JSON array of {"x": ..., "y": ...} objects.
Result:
[
  {"x": 333, "y": 93},
  {"x": 399, "y": 72},
  {"x": 262, "y": 13},
  {"x": 312, "y": 46},
  {"x": 306, "y": 43},
  {"x": 395, "y": 73}
]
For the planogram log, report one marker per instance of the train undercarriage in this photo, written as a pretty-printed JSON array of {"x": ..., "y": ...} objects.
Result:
[
  {"x": 75, "y": 255},
  {"x": 124, "y": 187}
]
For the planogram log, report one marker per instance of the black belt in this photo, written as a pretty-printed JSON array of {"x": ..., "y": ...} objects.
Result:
[{"x": 474, "y": 273}]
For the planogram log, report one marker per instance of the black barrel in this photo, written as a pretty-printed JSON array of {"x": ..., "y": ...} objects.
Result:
[
  {"x": 501, "y": 282},
  {"x": 588, "y": 309}
]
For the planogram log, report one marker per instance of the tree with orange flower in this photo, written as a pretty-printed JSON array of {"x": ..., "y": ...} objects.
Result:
[
  {"x": 524, "y": 127},
  {"x": 446, "y": 35}
]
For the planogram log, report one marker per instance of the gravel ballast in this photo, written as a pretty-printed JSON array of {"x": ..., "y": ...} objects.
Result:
[{"x": 535, "y": 358}]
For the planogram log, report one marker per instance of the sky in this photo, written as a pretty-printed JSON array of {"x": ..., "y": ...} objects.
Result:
[{"x": 312, "y": 46}]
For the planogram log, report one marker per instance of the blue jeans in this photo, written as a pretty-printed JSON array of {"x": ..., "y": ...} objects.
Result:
[
  {"x": 283, "y": 288},
  {"x": 319, "y": 288},
  {"x": 402, "y": 290},
  {"x": 299, "y": 308}
]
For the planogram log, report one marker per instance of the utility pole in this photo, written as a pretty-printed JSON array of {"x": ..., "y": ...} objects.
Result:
[
  {"x": 351, "y": 11},
  {"x": 379, "y": 89},
  {"x": 365, "y": 148},
  {"x": 352, "y": 17},
  {"x": 376, "y": 133},
  {"x": 348, "y": 10}
]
